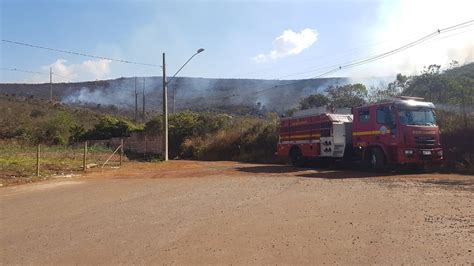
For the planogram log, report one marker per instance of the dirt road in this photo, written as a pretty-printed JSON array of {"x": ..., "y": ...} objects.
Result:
[{"x": 185, "y": 212}]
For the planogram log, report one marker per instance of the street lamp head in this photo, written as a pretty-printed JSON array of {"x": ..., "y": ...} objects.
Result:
[{"x": 200, "y": 50}]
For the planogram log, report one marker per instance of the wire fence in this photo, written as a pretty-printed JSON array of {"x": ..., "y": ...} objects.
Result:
[{"x": 19, "y": 162}]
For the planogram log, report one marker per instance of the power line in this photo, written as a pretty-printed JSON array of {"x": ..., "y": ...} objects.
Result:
[
  {"x": 77, "y": 53},
  {"x": 376, "y": 57},
  {"x": 22, "y": 70},
  {"x": 342, "y": 54},
  {"x": 36, "y": 72},
  {"x": 336, "y": 65},
  {"x": 358, "y": 62}
]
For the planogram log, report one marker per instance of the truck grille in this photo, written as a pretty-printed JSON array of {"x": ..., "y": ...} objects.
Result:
[{"x": 425, "y": 140}]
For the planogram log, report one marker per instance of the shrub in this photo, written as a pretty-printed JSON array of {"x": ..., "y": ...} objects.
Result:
[
  {"x": 246, "y": 139},
  {"x": 55, "y": 130},
  {"x": 110, "y": 127},
  {"x": 154, "y": 126}
]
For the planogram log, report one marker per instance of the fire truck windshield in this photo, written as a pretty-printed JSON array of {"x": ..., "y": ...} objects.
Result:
[{"x": 417, "y": 116}]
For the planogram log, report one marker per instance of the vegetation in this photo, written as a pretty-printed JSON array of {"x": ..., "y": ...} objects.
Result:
[
  {"x": 349, "y": 95},
  {"x": 243, "y": 138},
  {"x": 314, "y": 101},
  {"x": 110, "y": 127},
  {"x": 214, "y": 136},
  {"x": 31, "y": 121}
]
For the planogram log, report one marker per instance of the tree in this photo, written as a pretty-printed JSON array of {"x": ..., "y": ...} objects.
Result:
[
  {"x": 431, "y": 85},
  {"x": 393, "y": 89},
  {"x": 154, "y": 126},
  {"x": 313, "y": 101},
  {"x": 349, "y": 95},
  {"x": 56, "y": 129},
  {"x": 111, "y": 127}
]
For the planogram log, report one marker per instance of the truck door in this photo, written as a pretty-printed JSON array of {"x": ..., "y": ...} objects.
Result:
[
  {"x": 362, "y": 127},
  {"x": 388, "y": 131}
]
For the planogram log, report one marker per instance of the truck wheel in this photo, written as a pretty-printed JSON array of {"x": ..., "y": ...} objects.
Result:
[
  {"x": 296, "y": 157},
  {"x": 376, "y": 160}
]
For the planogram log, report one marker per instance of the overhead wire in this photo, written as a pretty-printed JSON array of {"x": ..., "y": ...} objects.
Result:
[
  {"x": 37, "y": 72},
  {"x": 358, "y": 62},
  {"x": 77, "y": 53},
  {"x": 24, "y": 71},
  {"x": 376, "y": 57}
]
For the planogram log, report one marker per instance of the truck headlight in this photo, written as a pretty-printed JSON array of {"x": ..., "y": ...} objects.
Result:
[
  {"x": 408, "y": 152},
  {"x": 440, "y": 153}
]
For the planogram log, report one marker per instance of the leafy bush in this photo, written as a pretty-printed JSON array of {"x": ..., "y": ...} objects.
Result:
[
  {"x": 154, "y": 126},
  {"x": 55, "y": 130},
  {"x": 188, "y": 124},
  {"x": 111, "y": 127},
  {"x": 315, "y": 100}
]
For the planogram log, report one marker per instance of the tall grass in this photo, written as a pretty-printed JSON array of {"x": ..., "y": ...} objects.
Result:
[{"x": 254, "y": 141}]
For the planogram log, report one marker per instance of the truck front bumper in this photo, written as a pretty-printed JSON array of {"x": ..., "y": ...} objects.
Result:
[{"x": 420, "y": 155}]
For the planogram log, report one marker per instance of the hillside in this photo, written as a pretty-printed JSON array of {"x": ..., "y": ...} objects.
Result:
[
  {"x": 191, "y": 93},
  {"x": 35, "y": 120}
]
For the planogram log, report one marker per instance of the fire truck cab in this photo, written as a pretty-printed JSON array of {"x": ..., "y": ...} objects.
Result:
[{"x": 401, "y": 131}]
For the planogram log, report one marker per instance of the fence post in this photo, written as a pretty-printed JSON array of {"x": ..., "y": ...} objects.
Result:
[
  {"x": 84, "y": 159},
  {"x": 146, "y": 147},
  {"x": 121, "y": 151},
  {"x": 38, "y": 160}
]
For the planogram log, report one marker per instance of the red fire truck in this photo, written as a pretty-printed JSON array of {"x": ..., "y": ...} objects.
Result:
[{"x": 397, "y": 132}]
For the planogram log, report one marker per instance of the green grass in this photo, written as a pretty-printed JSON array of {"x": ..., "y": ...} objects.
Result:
[{"x": 18, "y": 162}]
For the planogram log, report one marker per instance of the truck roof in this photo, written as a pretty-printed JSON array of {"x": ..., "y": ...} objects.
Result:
[
  {"x": 401, "y": 102},
  {"x": 413, "y": 103},
  {"x": 344, "y": 118}
]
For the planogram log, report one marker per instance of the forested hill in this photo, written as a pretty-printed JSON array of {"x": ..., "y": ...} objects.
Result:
[{"x": 191, "y": 93}]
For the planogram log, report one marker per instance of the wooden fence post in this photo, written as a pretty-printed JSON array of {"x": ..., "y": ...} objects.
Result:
[
  {"x": 121, "y": 151},
  {"x": 38, "y": 160},
  {"x": 146, "y": 146},
  {"x": 84, "y": 159}
]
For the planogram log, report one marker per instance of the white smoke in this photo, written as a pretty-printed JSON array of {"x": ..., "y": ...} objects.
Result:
[
  {"x": 86, "y": 95},
  {"x": 289, "y": 43}
]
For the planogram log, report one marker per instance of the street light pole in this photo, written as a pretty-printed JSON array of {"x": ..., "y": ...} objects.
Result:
[
  {"x": 165, "y": 112},
  {"x": 165, "y": 101}
]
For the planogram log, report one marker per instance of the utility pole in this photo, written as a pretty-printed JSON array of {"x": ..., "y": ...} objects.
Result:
[
  {"x": 143, "y": 111},
  {"x": 165, "y": 101},
  {"x": 136, "y": 101},
  {"x": 165, "y": 112},
  {"x": 51, "y": 84}
]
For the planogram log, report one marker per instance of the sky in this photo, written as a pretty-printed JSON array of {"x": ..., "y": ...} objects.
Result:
[{"x": 242, "y": 39}]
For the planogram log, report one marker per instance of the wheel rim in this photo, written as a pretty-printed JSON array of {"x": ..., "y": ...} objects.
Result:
[
  {"x": 373, "y": 160},
  {"x": 296, "y": 157}
]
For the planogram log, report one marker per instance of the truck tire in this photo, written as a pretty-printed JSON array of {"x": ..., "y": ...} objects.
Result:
[
  {"x": 376, "y": 160},
  {"x": 296, "y": 157}
]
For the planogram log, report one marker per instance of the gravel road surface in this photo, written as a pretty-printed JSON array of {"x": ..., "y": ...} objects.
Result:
[{"x": 186, "y": 212}]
